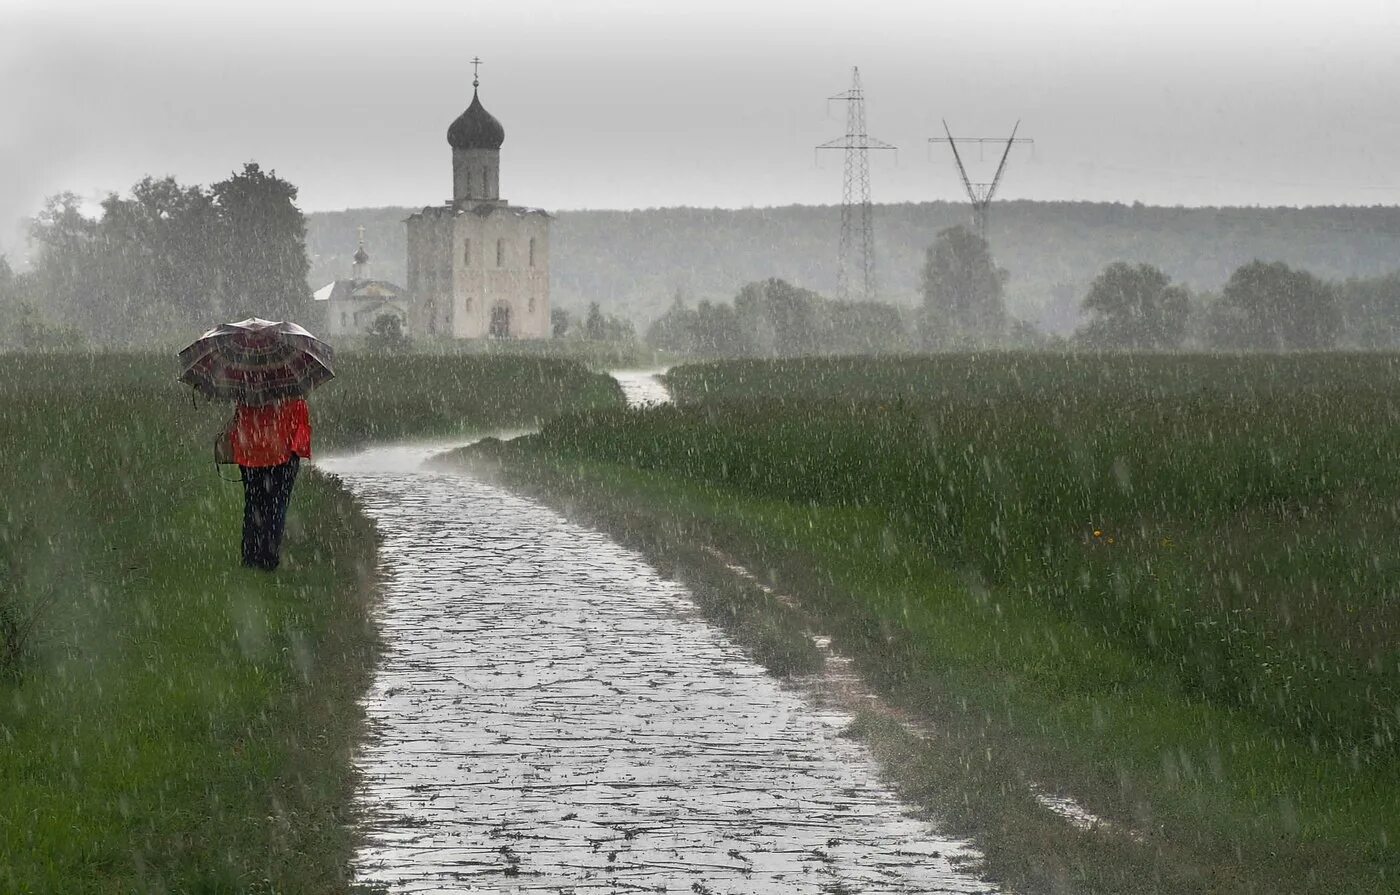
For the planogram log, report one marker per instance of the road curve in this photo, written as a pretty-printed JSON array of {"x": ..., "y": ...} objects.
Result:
[{"x": 551, "y": 715}]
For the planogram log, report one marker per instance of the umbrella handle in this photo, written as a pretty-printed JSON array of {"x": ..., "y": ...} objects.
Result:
[{"x": 218, "y": 472}]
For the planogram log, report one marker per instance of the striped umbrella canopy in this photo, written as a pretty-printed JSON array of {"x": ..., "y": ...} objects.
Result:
[{"x": 256, "y": 361}]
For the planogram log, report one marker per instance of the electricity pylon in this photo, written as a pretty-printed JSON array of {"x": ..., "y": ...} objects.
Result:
[
  {"x": 856, "y": 225},
  {"x": 980, "y": 194}
]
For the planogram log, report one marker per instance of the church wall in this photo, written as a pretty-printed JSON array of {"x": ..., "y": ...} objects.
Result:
[
  {"x": 339, "y": 319},
  {"x": 354, "y": 316},
  {"x": 480, "y": 283},
  {"x": 430, "y": 240}
]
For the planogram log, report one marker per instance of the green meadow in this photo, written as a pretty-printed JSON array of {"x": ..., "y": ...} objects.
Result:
[
  {"x": 1163, "y": 586},
  {"x": 169, "y": 721}
]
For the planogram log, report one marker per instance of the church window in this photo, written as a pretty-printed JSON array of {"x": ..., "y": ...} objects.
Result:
[
  {"x": 344, "y": 320},
  {"x": 466, "y": 253},
  {"x": 500, "y": 252},
  {"x": 532, "y": 254},
  {"x": 469, "y": 304},
  {"x": 532, "y": 299},
  {"x": 469, "y": 181},
  {"x": 485, "y": 182}
]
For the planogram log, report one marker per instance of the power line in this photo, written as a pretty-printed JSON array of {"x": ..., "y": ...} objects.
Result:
[
  {"x": 856, "y": 215},
  {"x": 980, "y": 194}
]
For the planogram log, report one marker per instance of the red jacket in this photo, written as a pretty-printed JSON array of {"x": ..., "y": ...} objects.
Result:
[{"x": 270, "y": 434}]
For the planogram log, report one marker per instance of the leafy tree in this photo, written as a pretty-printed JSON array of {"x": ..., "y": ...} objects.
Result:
[
  {"x": 675, "y": 329},
  {"x": 718, "y": 332},
  {"x": 23, "y": 326},
  {"x": 1134, "y": 307},
  {"x": 962, "y": 290},
  {"x": 9, "y": 303},
  {"x": 71, "y": 264},
  {"x": 33, "y": 331},
  {"x": 1201, "y": 318},
  {"x": 594, "y": 328},
  {"x": 781, "y": 319},
  {"x": 862, "y": 327},
  {"x": 559, "y": 322},
  {"x": 618, "y": 329},
  {"x": 386, "y": 334},
  {"x": 263, "y": 239},
  {"x": 1272, "y": 307},
  {"x": 168, "y": 259},
  {"x": 1370, "y": 311},
  {"x": 161, "y": 245},
  {"x": 777, "y": 319}
]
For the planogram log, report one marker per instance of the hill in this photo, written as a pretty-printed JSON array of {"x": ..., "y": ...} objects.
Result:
[{"x": 633, "y": 262}]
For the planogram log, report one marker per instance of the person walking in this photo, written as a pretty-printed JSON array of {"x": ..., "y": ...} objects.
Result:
[
  {"x": 269, "y": 443},
  {"x": 266, "y": 367}
]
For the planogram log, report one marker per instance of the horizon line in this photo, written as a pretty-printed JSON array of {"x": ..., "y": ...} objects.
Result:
[{"x": 1134, "y": 204}]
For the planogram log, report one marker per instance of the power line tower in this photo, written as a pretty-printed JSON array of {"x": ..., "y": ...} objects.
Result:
[
  {"x": 980, "y": 194},
  {"x": 856, "y": 226}
]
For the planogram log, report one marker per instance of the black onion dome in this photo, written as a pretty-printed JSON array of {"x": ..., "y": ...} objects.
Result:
[
  {"x": 361, "y": 256},
  {"x": 476, "y": 128}
]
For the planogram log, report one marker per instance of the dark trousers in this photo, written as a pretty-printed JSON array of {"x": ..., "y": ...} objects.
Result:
[{"x": 266, "y": 490}]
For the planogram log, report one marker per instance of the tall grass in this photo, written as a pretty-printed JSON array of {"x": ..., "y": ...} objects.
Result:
[
  {"x": 382, "y": 397},
  {"x": 173, "y": 722},
  {"x": 1237, "y": 530}
]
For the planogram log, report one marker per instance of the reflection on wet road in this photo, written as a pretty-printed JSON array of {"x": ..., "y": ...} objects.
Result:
[
  {"x": 641, "y": 388},
  {"x": 550, "y": 715}
]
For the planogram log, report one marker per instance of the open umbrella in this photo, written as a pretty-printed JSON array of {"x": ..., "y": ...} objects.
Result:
[{"x": 256, "y": 361}]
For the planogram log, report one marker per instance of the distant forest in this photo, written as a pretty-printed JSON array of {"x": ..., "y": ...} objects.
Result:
[{"x": 633, "y": 263}]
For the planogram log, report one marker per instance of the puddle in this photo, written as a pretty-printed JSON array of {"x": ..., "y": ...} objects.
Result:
[
  {"x": 1076, "y": 815},
  {"x": 641, "y": 388},
  {"x": 550, "y": 715}
]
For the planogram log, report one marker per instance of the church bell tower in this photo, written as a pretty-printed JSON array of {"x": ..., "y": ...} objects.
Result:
[{"x": 476, "y": 137}]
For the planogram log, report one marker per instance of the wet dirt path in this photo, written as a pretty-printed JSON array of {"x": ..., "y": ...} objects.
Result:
[{"x": 550, "y": 715}]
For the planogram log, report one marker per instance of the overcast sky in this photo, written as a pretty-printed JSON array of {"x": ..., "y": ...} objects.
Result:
[{"x": 621, "y": 104}]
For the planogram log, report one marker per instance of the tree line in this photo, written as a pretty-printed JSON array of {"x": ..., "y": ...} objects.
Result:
[
  {"x": 774, "y": 318},
  {"x": 159, "y": 264},
  {"x": 634, "y": 261},
  {"x": 1263, "y": 306},
  {"x": 167, "y": 259}
]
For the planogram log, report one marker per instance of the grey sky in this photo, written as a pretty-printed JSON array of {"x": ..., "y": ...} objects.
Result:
[{"x": 719, "y": 103}]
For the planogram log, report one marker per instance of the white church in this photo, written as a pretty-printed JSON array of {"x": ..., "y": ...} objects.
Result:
[{"x": 478, "y": 267}]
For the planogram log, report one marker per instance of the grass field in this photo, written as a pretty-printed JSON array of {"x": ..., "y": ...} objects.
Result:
[
  {"x": 384, "y": 397},
  {"x": 594, "y": 354},
  {"x": 1164, "y": 586},
  {"x": 173, "y": 722}
]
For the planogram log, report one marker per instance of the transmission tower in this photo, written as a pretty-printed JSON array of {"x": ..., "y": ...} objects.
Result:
[
  {"x": 856, "y": 227},
  {"x": 980, "y": 194}
]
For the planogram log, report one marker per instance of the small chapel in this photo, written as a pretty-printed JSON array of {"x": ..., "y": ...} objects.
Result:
[
  {"x": 478, "y": 267},
  {"x": 351, "y": 307}
]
